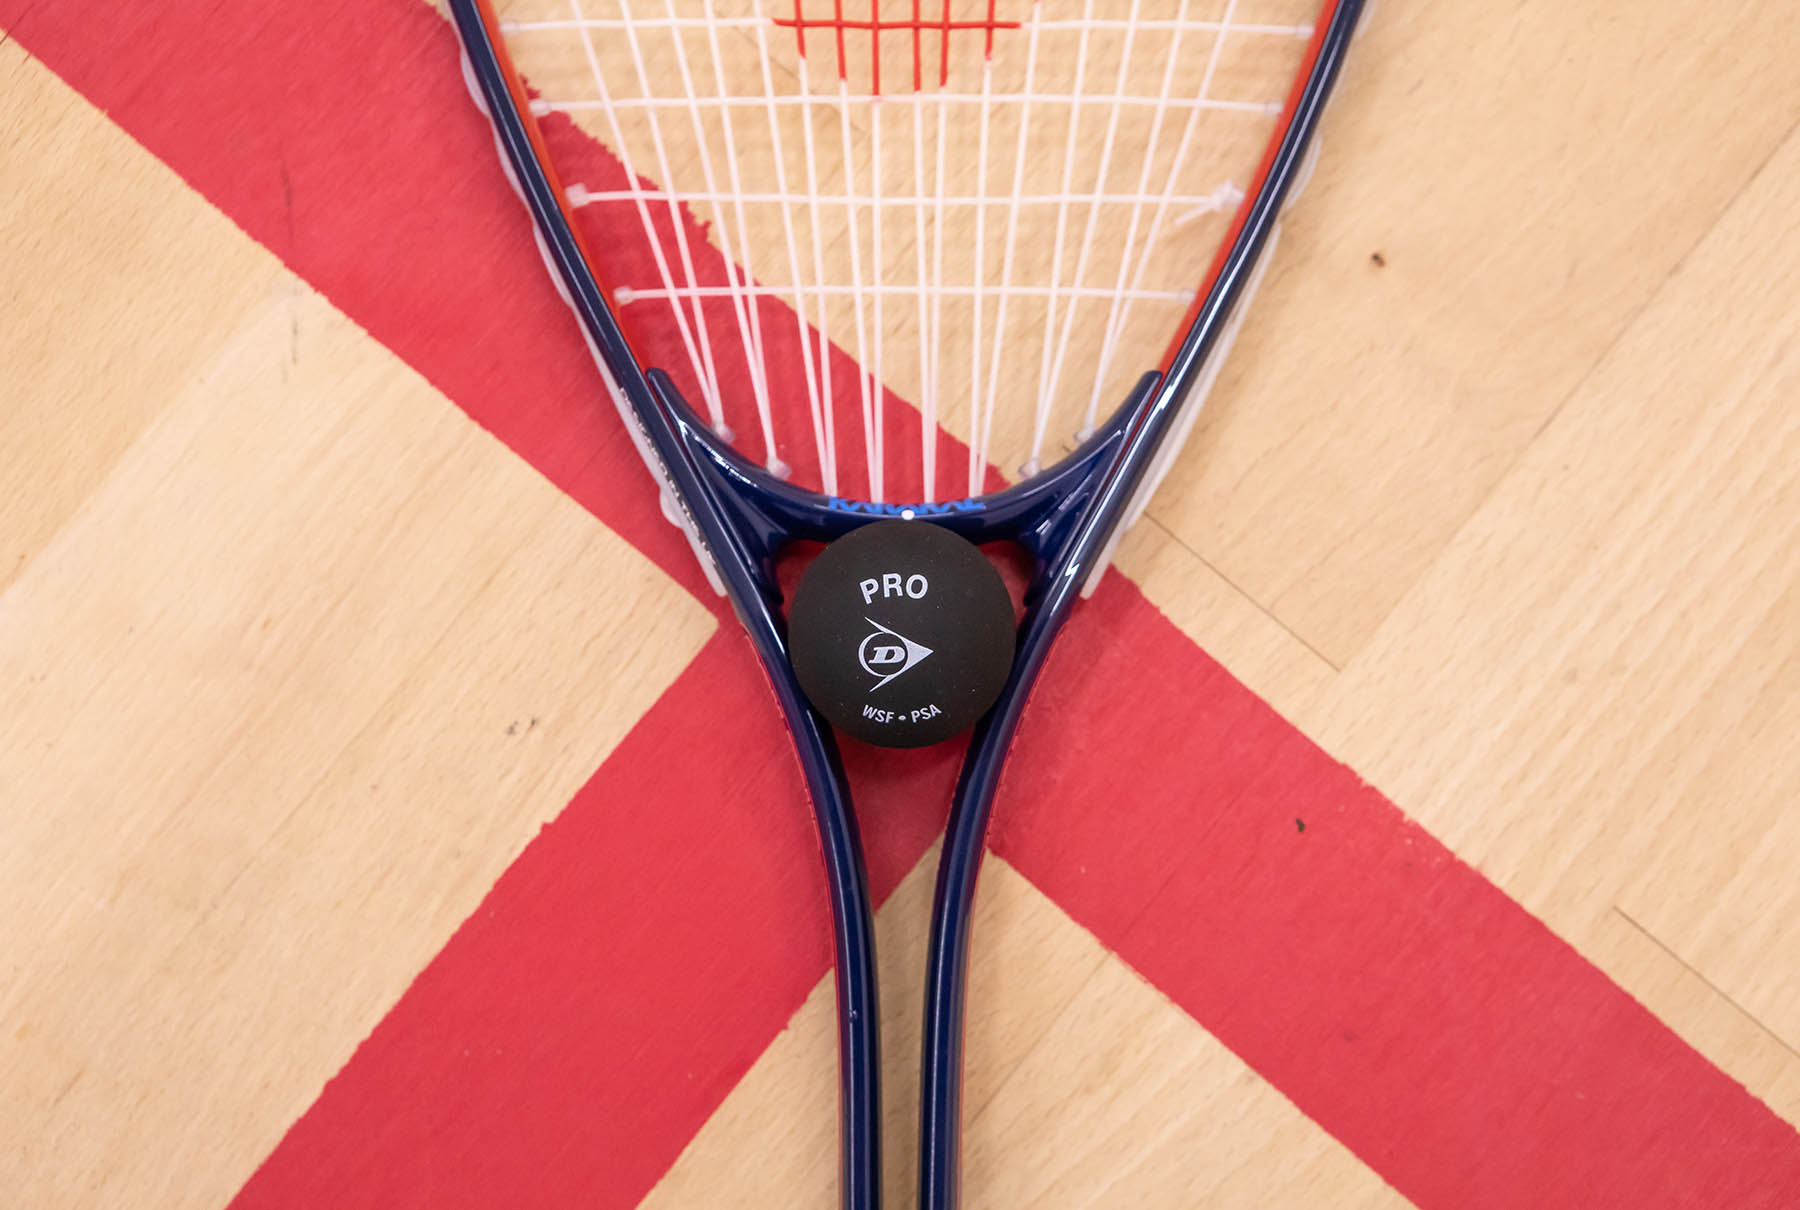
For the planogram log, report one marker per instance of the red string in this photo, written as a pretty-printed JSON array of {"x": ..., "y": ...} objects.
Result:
[
  {"x": 918, "y": 34},
  {"x": 944, "y": 47},
  {"x": 917, "y": 25},
  {"x": 839, "y": 9}
]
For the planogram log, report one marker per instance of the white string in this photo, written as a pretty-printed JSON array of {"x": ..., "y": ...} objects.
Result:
[
  {"x": 937, "y": 254},
  {"x": 1087, "y": 238},
  {"x": 765, "y": 412},
  {"x": 1054, "y": 240},
  {"x": 1128, "y": 296},
  {"x": 787, "y": 228},
  {"x": 626, "y": 295},
  {"x": 1109, "y": 339},
  {"x": 877, "y": 438},
  {"x": 826, "y": 432},
  {"x": 709, "y": 379},
  {"x": 1058, "y": 24},
  {"x": 893, "y": 201},
  {"x": 643, "y": 213},
  {"x": 737, "y": 265},
  {"x": 857, "y": 295},
  {"x": 1041, "y": 414},
  {"x": 978, "y": 438},
  {"x": 927, "y": 388},
  {"x": 1092, "y": 100},
  {"x": 1012, "y": 226}
]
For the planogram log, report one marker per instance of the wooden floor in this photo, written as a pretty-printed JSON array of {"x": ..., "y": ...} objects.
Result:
[{"x": 1497, "y": 503}]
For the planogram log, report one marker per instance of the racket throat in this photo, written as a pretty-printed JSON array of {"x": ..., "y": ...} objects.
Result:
[{"x": 765, "y": 513}]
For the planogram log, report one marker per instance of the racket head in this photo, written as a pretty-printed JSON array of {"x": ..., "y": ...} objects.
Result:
[{"x": 913, "y": 253}]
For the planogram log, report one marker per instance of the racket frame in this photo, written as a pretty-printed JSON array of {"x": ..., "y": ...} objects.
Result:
[{"x": 739, "y": 518}]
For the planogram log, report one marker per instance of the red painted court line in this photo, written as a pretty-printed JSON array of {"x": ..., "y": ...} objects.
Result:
[
  {"x": 1403, "y": 1002},
  {"x": 650, "y": 954},
  {"x": 620, "y": 979}
]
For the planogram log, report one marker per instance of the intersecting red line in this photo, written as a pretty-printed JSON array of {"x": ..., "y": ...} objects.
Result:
[{"x": 1410, "y": 1008}]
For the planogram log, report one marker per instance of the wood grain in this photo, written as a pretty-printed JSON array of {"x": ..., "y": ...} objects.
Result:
[
  {"x": 1497, "y": 503},
  {"x": 237, "y": 749}
]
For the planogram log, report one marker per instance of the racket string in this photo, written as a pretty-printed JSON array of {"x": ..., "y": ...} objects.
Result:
[
  {"x": 1032, "y": 197},
  {"x": 1120, "y": 307}
]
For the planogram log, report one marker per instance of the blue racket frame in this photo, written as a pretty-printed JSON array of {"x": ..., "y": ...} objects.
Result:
[{"x": 740, "y": 518}]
